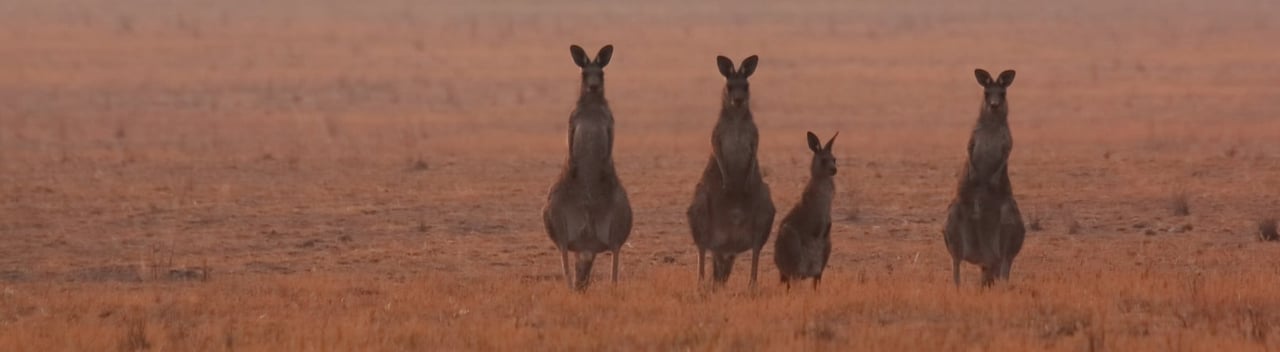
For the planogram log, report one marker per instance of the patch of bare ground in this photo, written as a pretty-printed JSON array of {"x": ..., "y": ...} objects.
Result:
[{"x": 257, "y": 176}]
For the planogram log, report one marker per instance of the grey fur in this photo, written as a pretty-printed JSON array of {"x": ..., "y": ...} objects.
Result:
[
  {"x": 587, "y": 209},
  {"x": 984, "y": 226},
  {"x": 732, "y": 210},
  {"x": 804, "y": 238}
]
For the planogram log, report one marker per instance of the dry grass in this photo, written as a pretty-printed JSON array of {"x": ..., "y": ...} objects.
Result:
[
  {"x": 368, "y": 175},
  {"x": 1267, "y": 230},
  {"x": 1180, "y": 202},
  {"x": 1034, "y": 222},
  {"x": 910, "y": 306},
  {"x": 1073, "y": 225}
]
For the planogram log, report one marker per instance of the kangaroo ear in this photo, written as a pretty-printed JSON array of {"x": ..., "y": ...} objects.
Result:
[
  {"x": 726, "y": 66},
  {"x": 749, "y": 66},
  {"x": 1006, "y": 78},
  {"x": 984, "y": 78},
  {"x": 579, "y": 55},
  {"x": 827, "y": 148},
  {"x": 605, "y": 54},
  {"x": 814, "y": 144}
]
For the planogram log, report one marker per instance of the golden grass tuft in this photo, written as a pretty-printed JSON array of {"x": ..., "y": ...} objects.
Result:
[
  {"x": 1180, "y": 202},
  {"x": 1267, "y": 230},
  {"x": 372, "y": 180}
]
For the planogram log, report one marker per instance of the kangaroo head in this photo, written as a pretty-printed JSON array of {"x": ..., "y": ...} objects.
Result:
[
  {"x": 592, "y": 70},
  {"x": 994, "y": 90},
  {"x": 736, "y": 88},
  {"x": 824, "y": 162}
]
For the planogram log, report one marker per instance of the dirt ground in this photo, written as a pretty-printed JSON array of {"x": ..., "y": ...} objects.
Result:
[{"x": 340, "y": 175}]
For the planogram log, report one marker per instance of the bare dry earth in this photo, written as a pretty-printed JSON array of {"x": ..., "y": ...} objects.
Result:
[{"x": 368, "y": 175}]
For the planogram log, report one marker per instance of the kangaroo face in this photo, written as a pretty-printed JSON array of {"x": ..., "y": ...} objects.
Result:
[
  {"x": 824, "y": 164},
  {"x": 592, "y": 69},
  {"x": 824, "y": 161},
  {"x": 737, "y": 91},
  {"x": 592, "y": 79},
  {"x": 994, "y": 90},
  {"x": 994, "y": 96}
]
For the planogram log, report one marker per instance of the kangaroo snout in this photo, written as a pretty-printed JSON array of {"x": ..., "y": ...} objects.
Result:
[
  {"x": 736, "y": 96},
  {"x": 593, "y": 83}
]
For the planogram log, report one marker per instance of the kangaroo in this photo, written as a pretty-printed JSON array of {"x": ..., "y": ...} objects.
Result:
[
  {"x": 587, "y": 210},
  {"x": 804, "y": 238},
  {"x": 984, "y": 226},
  {"x": 732, "y": 210}
]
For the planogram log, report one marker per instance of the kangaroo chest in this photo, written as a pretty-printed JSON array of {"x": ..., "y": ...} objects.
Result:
[
  {"x": 591, "y": 142},
  {"x": 735, "y": 143},
  {"x": 988, "y": 153}
]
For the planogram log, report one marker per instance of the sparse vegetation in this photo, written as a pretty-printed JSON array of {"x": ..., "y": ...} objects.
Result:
[
  {"x": 1061, "y": 309},
  {"x": 1033, "y": 222},
  {"x": 851, "y": 205},
  {"x": 1180, "y": 202},
  {"x": 418, "y": 164},
  {"x": 347, "y": 251},
  {"x": 1267, "y": 230},
  {"x": 1073, "y": 224},
  {"x": 135, "y": 337}
]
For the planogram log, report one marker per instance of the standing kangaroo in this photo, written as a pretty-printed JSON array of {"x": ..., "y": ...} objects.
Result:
[
  {"x": 984, "y": 226},
  {"x": 587, "y": 210},
  {"x": 804, "y": 238},
  {"x": 732, "y": 211}
]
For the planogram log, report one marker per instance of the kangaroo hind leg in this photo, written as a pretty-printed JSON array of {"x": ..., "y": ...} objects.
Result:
[{"x": 585, "y": 260}]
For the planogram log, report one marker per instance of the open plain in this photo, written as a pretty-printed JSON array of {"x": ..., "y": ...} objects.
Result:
[{"x": 368, "y": 175}]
